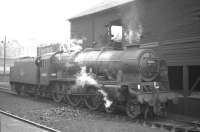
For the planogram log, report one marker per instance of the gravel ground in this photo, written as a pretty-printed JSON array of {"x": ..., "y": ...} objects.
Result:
[{"x": 66, "y": 118}]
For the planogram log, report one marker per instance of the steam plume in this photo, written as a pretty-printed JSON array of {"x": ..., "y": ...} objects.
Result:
[
  {"x": 85, "y": 78},
  {"x": 107, "y": 103}
]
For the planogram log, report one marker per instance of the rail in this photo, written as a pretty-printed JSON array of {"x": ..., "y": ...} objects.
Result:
[
  {"x": 175, "y": 125},
  {"x": 29, "y": 122}
]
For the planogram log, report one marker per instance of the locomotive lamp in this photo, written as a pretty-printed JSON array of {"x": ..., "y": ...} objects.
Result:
[
  {"x": 138, "y": 86},
  {"x": 156, "y": 85}
]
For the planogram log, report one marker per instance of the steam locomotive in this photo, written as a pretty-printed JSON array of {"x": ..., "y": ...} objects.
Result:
[{"x": 135, "y": 79}]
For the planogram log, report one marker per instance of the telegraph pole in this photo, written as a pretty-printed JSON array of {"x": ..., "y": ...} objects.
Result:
[{"x": 4, "y": 58}]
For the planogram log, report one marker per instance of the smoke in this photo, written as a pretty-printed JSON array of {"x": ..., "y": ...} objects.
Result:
[
  {"x": 84, "y": 78},
  {"x": 108, "y": 102},
  {"x": 133, "y": 25},
  {"x": 75, "y": 45}
]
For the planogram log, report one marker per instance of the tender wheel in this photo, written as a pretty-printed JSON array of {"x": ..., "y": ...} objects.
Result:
[
  {"x": 93, "y": 102},
  {"x": 31, "y": 90},
  {"x": 22, "y": 91},
  {"x": 17, "y": 88},
  {"x": 74, "y": 100},
  {"x": 133, "y": 109},
  {"x": 58, "y": 93},
  {"x": 13, "y": 86}
]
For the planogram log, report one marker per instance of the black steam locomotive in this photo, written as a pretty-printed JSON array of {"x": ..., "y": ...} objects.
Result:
[{"x": 135, "y": 79}]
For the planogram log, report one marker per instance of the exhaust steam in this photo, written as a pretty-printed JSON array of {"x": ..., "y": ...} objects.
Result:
[
  {"x": 108, "y": 102},
  {"x": 84, "y": 78}
]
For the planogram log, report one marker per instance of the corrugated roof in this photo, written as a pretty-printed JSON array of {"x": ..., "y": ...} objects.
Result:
[{"x": 100, "y": 7}]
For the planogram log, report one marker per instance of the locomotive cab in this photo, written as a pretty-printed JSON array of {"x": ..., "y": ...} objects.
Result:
[{"x": 46, "y": 70}]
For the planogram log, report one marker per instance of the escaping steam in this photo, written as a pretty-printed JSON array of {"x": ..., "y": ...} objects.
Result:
[
  {"x": 84, "y": 78},
  {"x": 131, "y": 19},
  {"x": 75, "y": 45},
  {"x": 107, "y": 103}
]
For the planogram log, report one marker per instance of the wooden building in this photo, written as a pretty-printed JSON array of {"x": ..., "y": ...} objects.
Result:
[{"x": 170, "y": 27}]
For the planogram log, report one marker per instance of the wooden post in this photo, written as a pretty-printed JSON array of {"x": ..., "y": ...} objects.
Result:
[
  {"x": 93, "y": 29},
  {"x": 185, "y": 87}
]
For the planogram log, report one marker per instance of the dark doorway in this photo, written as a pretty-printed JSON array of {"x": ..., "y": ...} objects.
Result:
[
  {"x": 175, "y": 74},
  {"x": 194, "y": 75}
]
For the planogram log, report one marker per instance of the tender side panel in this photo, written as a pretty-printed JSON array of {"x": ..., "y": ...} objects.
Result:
[{"x": 24, "y": 72}]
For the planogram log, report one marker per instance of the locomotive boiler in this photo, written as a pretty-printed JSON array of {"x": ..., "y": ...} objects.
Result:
[{"x": 134, "y": 79}]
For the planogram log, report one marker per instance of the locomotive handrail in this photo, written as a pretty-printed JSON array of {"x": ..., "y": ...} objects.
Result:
[
  {"x": 108, "y": 82},
  {"x": 133, "y": 45}
]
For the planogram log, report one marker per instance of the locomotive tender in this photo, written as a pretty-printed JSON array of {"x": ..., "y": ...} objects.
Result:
[{"x": 135, "y": 79}]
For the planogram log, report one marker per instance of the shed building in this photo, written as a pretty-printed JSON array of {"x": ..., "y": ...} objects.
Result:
[{"x": 171, "y": 27}]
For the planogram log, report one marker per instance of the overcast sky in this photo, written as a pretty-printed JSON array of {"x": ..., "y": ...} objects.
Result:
[{"x": 39, "y": 20}]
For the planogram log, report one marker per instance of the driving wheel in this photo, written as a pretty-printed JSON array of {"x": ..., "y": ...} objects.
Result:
[
  {"x": 74, "y": 100},
  {"x": 133, "y": 109},
  {"x": 93, "y": 101},
  {"x": 58, "y": 93}
]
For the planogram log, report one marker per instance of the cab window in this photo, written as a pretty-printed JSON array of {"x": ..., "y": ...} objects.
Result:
[{"x": 116, "y": 33}]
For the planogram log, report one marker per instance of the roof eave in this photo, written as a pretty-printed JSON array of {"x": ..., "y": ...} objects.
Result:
[{"x": 98, "y": 11}]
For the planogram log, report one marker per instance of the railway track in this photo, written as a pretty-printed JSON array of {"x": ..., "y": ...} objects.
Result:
[
  {"x": 171, "y": 125},
  {"x": 37, "y": 125},
  {"x": 174, "y": 125},
  {"x": 7, "y": 90}
]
